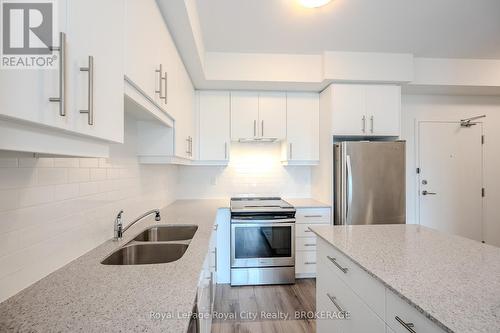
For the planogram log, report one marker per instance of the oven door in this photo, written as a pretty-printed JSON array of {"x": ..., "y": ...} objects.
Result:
[{"x": 261, "y": 244}]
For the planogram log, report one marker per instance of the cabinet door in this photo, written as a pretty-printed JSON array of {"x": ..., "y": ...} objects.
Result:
[
  {"x": 244, "y": 115},
  {"x": 348, "y": 114},
  {"x": 142, "y": 37},
  {"x": 302, "y": 126},
  {"x": 215, "y": 125},
  {"x": 383, "y": 109},
  {"x": 272, "y": 115},
  {"x": 24, "y": 94},
  {"x": 92, "y": 35}
]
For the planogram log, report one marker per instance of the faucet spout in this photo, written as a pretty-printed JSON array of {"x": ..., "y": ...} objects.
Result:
[{"x": 120, "y": 230}]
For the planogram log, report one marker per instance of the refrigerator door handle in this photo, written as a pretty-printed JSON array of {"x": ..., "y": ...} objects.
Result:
[{"x": 348, "y": 188}]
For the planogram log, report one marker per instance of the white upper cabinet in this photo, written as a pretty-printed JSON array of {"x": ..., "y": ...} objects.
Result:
[
  {"x": 366, "y": 110},
  {"x": 143, "y": 32},
  {"x": 88, "y": 77},
  {"x": 244, "y": 115},
  {"x": 258, "y": 115},
  {"x": 383, "y": 109},
  {"x": 98, "y": 88},
  {"x": 272, "y": 115},
  {"x": 214, "y": 125},
  {"x": 302, "y": 127}
]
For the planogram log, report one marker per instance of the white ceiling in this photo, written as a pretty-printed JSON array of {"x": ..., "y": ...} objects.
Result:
[{"x": 425, "y": 28}]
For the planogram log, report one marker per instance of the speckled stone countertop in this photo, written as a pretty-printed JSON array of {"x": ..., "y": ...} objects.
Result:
[
  {"x": 86, "y": 296},
  {"x": 453, "y": 281},
  {"x": 306, "y": 203}
]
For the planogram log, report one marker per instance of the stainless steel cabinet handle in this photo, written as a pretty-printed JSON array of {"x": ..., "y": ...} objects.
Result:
[
  {"x": 262, "y": 128},
  {"x": 187, "y": 147},
  {"x": 333, "y": 299},
  {"x": 334, "y": 261},
  {"x": 310, "y": 263},
  {"x": 62, "y": 74},
  {"x": 160, "y": 80},
  {"x": 255, "y": 128},
  {"x": 166, "y": 88},
  {"x": 291, "y": 151},
  {"x": 313, "y": 216},
  {"x": 425, "y": 192},
  {"x": 307, "y": 230},
  {"x": 225, "y": 150},
  {"x": 408, "y": 326},
  {"x": 371, "y": 124},
  {"x": 215, "y": 256},
  {"x": 309, "y": 244},
  {"x": 90, "y": 96},
  {"x": 364, "y": 124}
]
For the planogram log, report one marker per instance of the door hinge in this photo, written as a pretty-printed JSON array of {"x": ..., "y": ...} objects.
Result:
[
  {"x": 482, "y": 139},
  {"x": 483, "y": 192},
  {"x": 418, "y": 170}
]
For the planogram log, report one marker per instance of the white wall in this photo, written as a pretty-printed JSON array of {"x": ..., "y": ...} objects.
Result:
[
  {"x": 52, "y": 210},
  {"x": 255, "y": 168},
  {"x": 436, "y": 107}
]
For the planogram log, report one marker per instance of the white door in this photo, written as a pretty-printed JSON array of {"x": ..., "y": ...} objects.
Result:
[
  {"x": 92, "y": 35},
  {"x": 450, "y": 179},
  {"x": 214, "y": 125},
  {"x": 383, "y": 108},
  {"x": 272, "y": 115},
  {"x": 302, "y": 121},
  {"x": 244, "y": 115},
  {"x": 348, "y": 115}
]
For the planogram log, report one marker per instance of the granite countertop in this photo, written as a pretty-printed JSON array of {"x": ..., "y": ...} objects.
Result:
[
  {"x": 452, "y": 280},
  {"x": 306, "y": 203},
  {"x": 86, "y": 296}
]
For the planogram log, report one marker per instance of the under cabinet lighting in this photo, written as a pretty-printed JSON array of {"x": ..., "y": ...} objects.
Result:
[{"x": 313, "y": 3}]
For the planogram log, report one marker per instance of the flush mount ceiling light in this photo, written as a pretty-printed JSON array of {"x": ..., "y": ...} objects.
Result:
[{"x": 313, "y": 3}]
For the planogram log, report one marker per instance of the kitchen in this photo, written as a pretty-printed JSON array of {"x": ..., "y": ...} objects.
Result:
[{"x": 281, "y": 171}]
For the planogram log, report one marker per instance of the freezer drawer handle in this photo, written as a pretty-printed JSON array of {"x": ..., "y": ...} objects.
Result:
[
  {"x": 334, "y": 261},
  {"x": 408, "y": 326},
  {"x": 313, "y": 216},
  {"x": 309, "y": 244},
  {"x": 310, "y": 263}
]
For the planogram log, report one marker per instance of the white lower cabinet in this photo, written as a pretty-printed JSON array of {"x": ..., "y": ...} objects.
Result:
[
  {"x": 343, "y": 285},
  {"x": 305, "y": 240},
  {"x": 206, "y": 287}
]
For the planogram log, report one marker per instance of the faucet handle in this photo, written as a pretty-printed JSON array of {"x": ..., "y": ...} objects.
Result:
[{"x": 119, "y": 216}]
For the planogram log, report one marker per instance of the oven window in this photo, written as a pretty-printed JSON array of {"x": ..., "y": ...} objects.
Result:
[{"x": 262, "y": 242}]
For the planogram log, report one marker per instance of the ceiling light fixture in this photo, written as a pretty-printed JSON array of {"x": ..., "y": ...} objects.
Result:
[{"x": 314, "y": 3}]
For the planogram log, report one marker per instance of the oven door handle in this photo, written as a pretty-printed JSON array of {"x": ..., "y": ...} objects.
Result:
[{"x": 276, "y": 221}]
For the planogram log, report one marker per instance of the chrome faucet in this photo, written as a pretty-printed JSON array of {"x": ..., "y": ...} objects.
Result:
[{"x": 119, "y": 230}]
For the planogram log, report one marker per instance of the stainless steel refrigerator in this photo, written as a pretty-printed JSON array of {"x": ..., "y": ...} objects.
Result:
[{"x": 369, "y": 182}]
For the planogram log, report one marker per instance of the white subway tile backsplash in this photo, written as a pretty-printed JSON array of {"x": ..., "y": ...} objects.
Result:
[
  {"x": 66, "y": 163},
  {"x": 35, "y": 162},
  {"x": 17, "y": 177},
  {"x": 97, "y": 174},
  {"x": 89, "y": 162},
  {"x": 89, "y": 188},
  {"x": 36, "y": 196},
  {"x": 78, "y": 175},
  {"x": 9, "y": 162},
  {"x": 51, "y": 176},
  {"x": 66, "y": 191},
  {"x": 9, "y": 199}
]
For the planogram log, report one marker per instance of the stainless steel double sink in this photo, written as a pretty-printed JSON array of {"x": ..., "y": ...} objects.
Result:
[{"x": 155, "y": 245}]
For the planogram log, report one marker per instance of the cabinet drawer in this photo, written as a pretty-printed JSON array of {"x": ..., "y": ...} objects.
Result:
[
  {"x": 368, "y": 289},
  {"x": 302, "y": 230},
  {"x": 305, "y": 262},
  {"x": 312, "y": 215},
  {"x": 397, "y": 307},
  {"x": 305, "y": 244},
  {"x": 330, "y": 288}
]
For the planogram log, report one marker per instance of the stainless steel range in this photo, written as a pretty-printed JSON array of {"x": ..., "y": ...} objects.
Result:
[{"x": 262, "y": 241}]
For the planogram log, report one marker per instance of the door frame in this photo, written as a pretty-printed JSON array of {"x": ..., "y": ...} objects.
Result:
[{"x": 417, "y": 123}]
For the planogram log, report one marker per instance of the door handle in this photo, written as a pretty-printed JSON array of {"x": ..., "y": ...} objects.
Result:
[
  {"x": 364, "y": 124},
  {"x": 90, "y": 98},
  {"x": 425, "y": 192}
]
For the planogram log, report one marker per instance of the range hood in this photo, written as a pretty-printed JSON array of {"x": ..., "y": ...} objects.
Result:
[{"x": 263, "y": 140}]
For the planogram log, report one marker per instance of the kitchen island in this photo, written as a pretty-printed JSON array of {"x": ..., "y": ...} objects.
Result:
[
  {"x": 87, "y": 296},
  {"x": 431, "y": 281}
]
